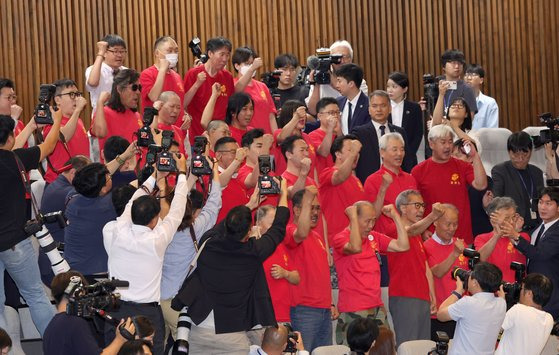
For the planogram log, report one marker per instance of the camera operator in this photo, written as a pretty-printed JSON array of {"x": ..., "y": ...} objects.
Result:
[
  {"x": 17, "y": 255},
  {"x": 479, "y": 316},
  {"x": 275, "y": 341},
  {"x": 287, "y": 88},
  {"x": 526, "y": 325},
  {"x": 136, "y": 244},
  {"x": 318, "y": 92},
  {"x": 69, "y": 334}
]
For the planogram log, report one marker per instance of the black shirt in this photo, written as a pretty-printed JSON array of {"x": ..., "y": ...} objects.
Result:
[
  {"x": 12, "y": 194},
  {"x": 297, "y": 92},
  {"x": 70, "y": 335}
]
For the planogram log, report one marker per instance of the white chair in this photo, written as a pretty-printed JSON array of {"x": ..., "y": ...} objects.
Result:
[
  {"x": 414, "y": 347},
  {"x": 421, "y": 151},
  {"x": 551, "y": 346},
  {"x": 538, "y": 155},
  {"x": 493, "y": 142},
  {"x": 331, "y": 350}
]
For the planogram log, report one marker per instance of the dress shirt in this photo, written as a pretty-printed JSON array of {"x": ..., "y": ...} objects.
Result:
[
  {"x": 105, "y": 83},
  {"x": 328, "y": 90},
  {"x": 377, "y": 129},
  {"x": 136, "y": 252},
  {"x": 535, "y": 232},
  {"x": 397, "y": 112},
  {"x": 487, "y": 115},
  {"x": 345, "y": 112}
]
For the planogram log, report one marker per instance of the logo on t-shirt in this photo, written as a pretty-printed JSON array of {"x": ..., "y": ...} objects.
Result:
[
  {"x": 373, "y": 243},
  {"x": 455, "y": 179},
  {"x": 263, "y": 94},
  {"x": 360, "y": 185},
  {"x": 510, "y": 248},
  {"x": 285, "y": 259},
  {"x": 223, "y": 90}
]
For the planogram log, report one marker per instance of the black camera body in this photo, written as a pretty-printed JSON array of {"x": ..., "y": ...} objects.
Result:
[
  {"x": 325, "y": 60},
  {"x": 196, "y": 50},
  {"x": 42, "y": 110},
  {"x": 266, "y": 183},
  {"x": 549, "y": 135},
  {"x": 145, "y": 137},
  {"x": 33, "y": 226},
  {"x": 271, "y": 79},
  {"x": 441, "y": 344},
  {"x": 291, "y": 346},
  {"x": 512, "y": 290},
  {"x": 84, "y": 301},
  {"x": 431, "y": 90},
  {"x": 200, "y": 165},
  {"x": 473, "y": 257},
  {"x": 165, "y": 160}
]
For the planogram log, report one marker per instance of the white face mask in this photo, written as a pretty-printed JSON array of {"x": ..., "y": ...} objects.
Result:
[
  {"x": 244, "y": 69},
  {"x": 173, "y": 59}
]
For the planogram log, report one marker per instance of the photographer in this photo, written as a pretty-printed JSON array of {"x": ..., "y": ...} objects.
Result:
[
  {"x": 136, "y": 244},
  {"x": 479, "y": 316},
  {"x": 69, "y": 334},
  {"x": 287, "y": 89},
  {"x": 17, "y": 255},
  {"x": 275, "y": 341}
]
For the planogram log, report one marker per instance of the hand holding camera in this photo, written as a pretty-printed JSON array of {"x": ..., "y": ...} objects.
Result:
[
  {"x": 180, "y": 160},
  {"x": 443, "y": 87}
]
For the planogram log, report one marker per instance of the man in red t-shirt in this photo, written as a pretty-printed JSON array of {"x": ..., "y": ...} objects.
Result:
[
  {"x": 496, "y": 247},
  {"x": 162, "y": 76},
  {"x": 71, "y": 103},
  {"x": 311, "y": 301},
  {"x": 322, "y": 137},
  {"x": 443, "y": 178},
  {"x": 199, "y": 80},
  {"x": 296, "y": 153},
  {"x": 169, "y": 106},
  {"x": 356, "y": 255},
  {"x": 444, "y": 252},
  {"x": 339, "y": 187}
]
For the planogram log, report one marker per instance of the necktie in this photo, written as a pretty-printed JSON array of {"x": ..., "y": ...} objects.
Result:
[
  {"x": 382, "y": 130},
  {"x": 539, "y": 236},
  {"x": 349, "y": 114}
]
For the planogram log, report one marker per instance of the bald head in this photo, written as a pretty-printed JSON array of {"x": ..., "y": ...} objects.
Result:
[
  {"x": 364, "y": 206},
  {"x": 275, "y": 339},
  {"x": 168, "y": 95}
]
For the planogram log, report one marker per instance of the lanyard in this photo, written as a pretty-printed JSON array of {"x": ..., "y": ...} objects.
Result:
[
  {"x": 446, "y": 102},
  {"x": 531, "y": 192}
]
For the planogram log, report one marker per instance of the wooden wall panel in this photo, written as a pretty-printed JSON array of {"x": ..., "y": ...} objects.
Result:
[{"x": 515, "y": 40}]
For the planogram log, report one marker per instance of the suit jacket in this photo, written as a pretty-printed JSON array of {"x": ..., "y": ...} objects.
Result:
[
  {"x": 229, "y": 279},
  {"x": 412, "y": 123},
  {"x": 369, "y": 158},
  {"x": 360, "y": 114},
  {"x": 507, "y": 182},
  {"x": 544, "y": 259}
]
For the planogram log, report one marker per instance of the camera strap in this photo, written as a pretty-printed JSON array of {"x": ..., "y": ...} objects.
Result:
[
  {"x": 62, "y": 139},
  {"x": 26, "y": 184},
  {"x": 195, "y": 259},
  {"x": 193, "y": 236}
]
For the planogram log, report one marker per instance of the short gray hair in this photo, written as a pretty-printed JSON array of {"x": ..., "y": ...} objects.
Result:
[
  {"x": 500, "y": 203},
  {"x": 383, "y": 142},
  {"x": 166, "y": 95},
  {"x": 440, "y": 131},
  {"x": 360, "y": 204},
  {"x": 263, "y": 210},
  {"x": 380, "y": 93},
  {"x": 404, "y": 197},
  {"x": 343, "y": 43},
  {"x": 214, "y": 124}
]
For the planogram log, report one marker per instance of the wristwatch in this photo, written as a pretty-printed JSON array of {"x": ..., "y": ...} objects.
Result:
[{"x": 459, "y": 296}]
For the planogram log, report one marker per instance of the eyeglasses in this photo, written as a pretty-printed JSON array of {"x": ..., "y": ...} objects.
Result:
[
  {"x": 136, "y": 87},
  {"x": 471, "y": 76},
  {"x": 332, "y": 113},
  {"x": 117, "y": 52},
  {"x": 10, "y": 97},
  {"x": 417, "y": 205},
  {"x": 287, "y": 69},
  {"x": 231, "y": 151},
  {"x": 72, "y": 94},
  {"x": 457, "y": 105}
]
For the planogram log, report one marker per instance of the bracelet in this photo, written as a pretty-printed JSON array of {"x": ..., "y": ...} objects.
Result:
[
  {"x": 119, "y": 160},
  {"x": 99, "y": 55},
  {"x": 181, "y": 172},
  {"x": 459, "y": 296}
]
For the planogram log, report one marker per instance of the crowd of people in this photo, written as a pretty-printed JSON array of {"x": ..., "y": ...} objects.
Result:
[{"x": 303, "y": 202}]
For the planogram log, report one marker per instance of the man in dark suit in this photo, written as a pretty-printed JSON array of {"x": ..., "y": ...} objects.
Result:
[
  {"x": 353, "y": 103},
  {"x": 370, "y": 133},
  {"x": 519, "y": 180},
  {"x": 229, "y": 284},
  {"x": 543, "y": 249}
]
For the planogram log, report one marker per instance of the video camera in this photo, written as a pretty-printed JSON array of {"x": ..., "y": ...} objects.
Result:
[
  {"x": 549, "y": 135},
  {"x": 84, "y": 301},
  {"x": 512, "y": 290},
  {"x": 145, "y": 137},
  {"x": 441, "y": 344},
  {"x": 266, "y": 183},
  {"x": 473, "y": 258},
  {"x": 37, "y": 228},
  {"x": 194, "y": 46},
  {"x": 431, "y": 90},
  {"x": 325, "y": 60},
  {"x": 291, "y": 346},
  {"x": 271, "y": 79},
  {"x": 42, "y": 110}
]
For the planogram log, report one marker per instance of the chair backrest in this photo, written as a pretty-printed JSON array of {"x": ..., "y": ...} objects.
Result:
[
  {"x": 414, "y": 347},
  {"x": 331, "y": 350},
  {"x": 494, "y": 146},
  {"x": 538, "y": 155},
  {"x": 551, "y": 346},
  {"x": 421, "y": 151}
]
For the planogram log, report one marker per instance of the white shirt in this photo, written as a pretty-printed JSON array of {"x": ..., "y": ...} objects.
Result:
[
  {"x": 105, "y": 83},
  {"x": 536, "y": 231},
  {"x": 437, "y": 239},
  {"x": 136, "y": 252},
  {"x": 377, "y": 128},
  {"x": 328, "y": 90},
  {"x": 256, "y": 350},
  {"x": 487, "y": 115},
  {"x": 397, "y": 113},
  {"x": 526, "y": 331},
  {"x": 478, "y": 322},
  {"x": 345, "y": 112}
]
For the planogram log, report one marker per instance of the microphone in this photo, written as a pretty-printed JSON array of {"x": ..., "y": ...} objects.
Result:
[
  {"x": 118, "y": 283},
  {"x": 312, "y": 62}
]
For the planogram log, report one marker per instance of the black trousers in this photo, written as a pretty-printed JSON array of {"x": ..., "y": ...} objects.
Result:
[
  {"x": 150, "y": 310},
  {"x": 447, "y": 327}
]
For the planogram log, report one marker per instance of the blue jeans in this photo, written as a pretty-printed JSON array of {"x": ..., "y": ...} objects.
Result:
[
  {"x": 21, "y": 264},
  {"x": 315, "y": 325}
]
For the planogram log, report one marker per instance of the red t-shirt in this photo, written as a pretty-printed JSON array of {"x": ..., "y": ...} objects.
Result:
[
  {"x": 238, "y": 133},
  {"x": 447, "y": 183},
  {"x": 123, "y": 124},
  {"x": 234, "y": 194},
  {"x": 263, "y": 104},
  {"x": 436, "y": 254},
  {"x": 77, "y": 145},
  {"x": 315, "y": 138},
  {"x": 279, "y": 159},
  {"x": 178, "y": 135},
  {"x": 400, "y": 182},
  {"x": 200, "y": 99},
  {"x": 172, "y": 82},
  {"x": 407, "y": 271},
  {"x": 311, "y": 260},
  {"x": 334, "y": 199},
  {"x": 243, "y": 173},
  {"x": 503, "y": 254},
  {"x": 359, "y": 274},
  {"x": 279, "y": 289}
]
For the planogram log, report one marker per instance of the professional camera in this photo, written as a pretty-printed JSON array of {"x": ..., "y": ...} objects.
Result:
[
  {"x": 151, "y": 158},
  {"x": 473, "y": 257},
  {"x": 441, "y": 346},
  {"x": 271, "y": 79},
  {"x": 145, "y": 137},
  {"x": 165, "y": 160},
  {"x": 42, "y": 110},
  {"x": 512, "y": 290},
  {"x": 86, "y": 301},
  {"x": 37, "y": 228},
  {"x": 200, "y": 165},
  {"x": 325, "y": 60},
  {"x": 431, "y": 90},
  {"x": 291, "y": 346},
  {"x": 549, "y": 135},
  {"x": 197, "y": 50},
  {"x": 266, "y": 183}
]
